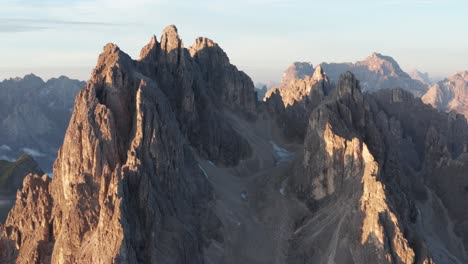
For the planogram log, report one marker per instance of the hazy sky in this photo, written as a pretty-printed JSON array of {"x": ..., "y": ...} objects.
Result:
[{"x": 261, "y": 37}]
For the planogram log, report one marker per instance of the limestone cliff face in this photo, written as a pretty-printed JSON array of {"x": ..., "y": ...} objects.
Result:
[
  {"x": 126, "y": 186},
  {"x": 13, "y": 173},
  {"x": 364, "y": 177},
  {"x": 233, "y": 87},
  {"x": 450, "y": 94},
  {"x": 298, "y": 98}
]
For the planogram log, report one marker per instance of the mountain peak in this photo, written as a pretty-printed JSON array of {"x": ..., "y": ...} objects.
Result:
[
  {"x": 170, "y": 39},
  {"x": 31, "y": 78},
  {"x": 111, "y": 54},
  {"x": 383, "y": 64},
  {"x": 150, "y": 49},
  {"x": 170, "y": 29},
  {"x": 205, "y": 49},
  {"x": 202, "y": 42},
  {"x": 111, "y": 48},
  {"x": 463, "y": 75},
  {"x": 318, "y": 73}
]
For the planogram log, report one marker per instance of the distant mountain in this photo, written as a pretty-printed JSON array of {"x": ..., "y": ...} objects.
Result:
[
  {"x": 298, "y": 70},
  {"x": 422, "y": 77},
  {"x": 377, "y": 72},
  {"x": 450, "y": 94},
  {"x": 262, "y": 88},
  {"x": 34, "y": 115},
  {"x": 170, "y": 159},
  {"x": 12, "y": 173}
]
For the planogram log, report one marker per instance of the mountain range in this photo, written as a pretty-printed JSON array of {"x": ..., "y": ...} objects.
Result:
[
  {"x": 170, "y": 158},
  {"x": 34, "y": 115},
  {"x": 450, "y": 94}
]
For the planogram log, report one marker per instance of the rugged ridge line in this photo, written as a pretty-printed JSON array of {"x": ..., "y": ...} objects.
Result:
[
  {"x": 126, "y": 186},
  {"x": 364, "y": 165}
]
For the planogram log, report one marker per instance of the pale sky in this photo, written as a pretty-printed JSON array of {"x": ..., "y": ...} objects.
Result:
[{"x": 262, "y": 37}]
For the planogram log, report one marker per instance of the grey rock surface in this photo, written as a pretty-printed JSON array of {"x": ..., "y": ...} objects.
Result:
[{"x": 34, "y": 116}]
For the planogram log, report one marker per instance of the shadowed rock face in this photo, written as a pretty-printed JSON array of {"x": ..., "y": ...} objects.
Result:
[
  {"x": 198, "y": 82},
  {"x": 377, "y": 72},
  {"x": 450, "y": 94},
  {"x": 34, "y": 116},
  {"x": 369, "y": 177},
  {"x": 126, "y": 186}
]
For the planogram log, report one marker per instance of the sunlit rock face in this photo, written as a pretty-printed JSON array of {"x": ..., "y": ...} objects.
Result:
[
  {"x": 126, "y": 186},
  {"x": 368, "y": 177},
  {"x": 293, "y": 102},
  {"x": 450, "y": 94},
  {"x": 12, "y": 175},
  {"x": 170, "y": 159}
]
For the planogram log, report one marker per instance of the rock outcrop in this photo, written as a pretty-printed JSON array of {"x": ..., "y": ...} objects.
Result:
[
  {"x": 292, "y": 103},
  {"x": 377, "y": 72},
  {"x": 369, "y": 174},
  {"x": 34, "y": 116},
  {"x": 29, "y": 226},
  {"x": 126, "y": 186},
  {"x": 450, "y": 94}
]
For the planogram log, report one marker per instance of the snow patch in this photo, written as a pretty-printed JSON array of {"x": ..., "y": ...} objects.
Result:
[
  {"x": 282, "y": 191},
  {"x": 33, "y": 152},
  {"x": 282, "y": 154}
]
